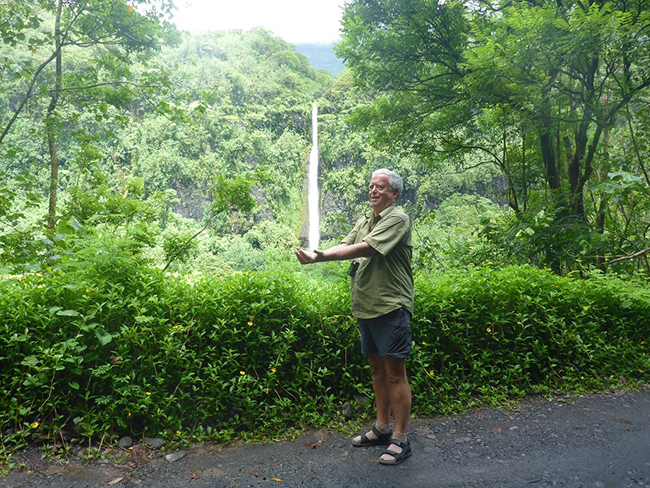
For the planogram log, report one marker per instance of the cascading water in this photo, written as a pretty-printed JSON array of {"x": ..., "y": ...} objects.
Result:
[{"x": 312, "y": 194}]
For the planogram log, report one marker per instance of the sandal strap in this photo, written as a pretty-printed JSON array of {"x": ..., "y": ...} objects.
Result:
[{"x": 399, "y": 444}]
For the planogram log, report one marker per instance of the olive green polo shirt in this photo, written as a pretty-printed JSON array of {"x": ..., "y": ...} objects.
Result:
[{"x": 383, "y": 282}]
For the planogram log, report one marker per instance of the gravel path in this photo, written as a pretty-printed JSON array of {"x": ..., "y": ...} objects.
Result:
[{"x": 598, "y": 440}]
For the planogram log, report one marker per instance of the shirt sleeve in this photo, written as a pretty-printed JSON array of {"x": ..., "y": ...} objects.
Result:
[{"x": 388, "y": 233}]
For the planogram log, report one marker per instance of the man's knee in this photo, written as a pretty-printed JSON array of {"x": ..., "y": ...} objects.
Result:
[{"x": 395, "y": 370}]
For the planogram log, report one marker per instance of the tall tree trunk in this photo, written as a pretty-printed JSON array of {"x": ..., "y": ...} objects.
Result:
[
  {"x": 512, "y": 193},
  {"x": 50, "y": 122},
  {"x": 523, "y": 167},
  {"x": 601, "y": 210},
  {"x": 548, "y": 158},
  {"x": 580, "y": 167},
  {"x": 54, "y": 178},
  {"x": 588, "y": 170}
]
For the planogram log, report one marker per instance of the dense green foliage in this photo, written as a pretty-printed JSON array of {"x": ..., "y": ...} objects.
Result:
[
  {"x": 113, "y": 346},
  {"x": 237, "y": 104},
  {"x": 553, "y": 94}
]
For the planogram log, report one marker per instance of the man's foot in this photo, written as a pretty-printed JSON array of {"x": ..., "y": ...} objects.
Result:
[
  {"x": 396, "y": 453},
  {"x": 372, "y": 438}
]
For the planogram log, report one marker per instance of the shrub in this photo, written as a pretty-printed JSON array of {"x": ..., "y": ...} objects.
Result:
[
  {"x": 111, "y": 346},
  {"x": 518, "y": 330}
]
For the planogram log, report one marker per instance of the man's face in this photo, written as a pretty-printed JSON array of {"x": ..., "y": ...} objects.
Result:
[{"x": 380, "y": 194}]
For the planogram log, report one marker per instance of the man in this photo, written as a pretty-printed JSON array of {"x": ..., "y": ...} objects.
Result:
[{"x": 382, "y": 301}]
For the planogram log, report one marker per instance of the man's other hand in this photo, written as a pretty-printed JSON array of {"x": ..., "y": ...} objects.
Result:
[{"x": 308, "y": 257}]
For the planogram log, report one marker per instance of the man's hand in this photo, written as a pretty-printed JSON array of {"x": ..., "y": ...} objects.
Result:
[{"x": 309, "y": 257}]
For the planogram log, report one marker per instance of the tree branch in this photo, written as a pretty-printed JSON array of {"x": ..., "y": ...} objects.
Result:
[
  {"x": 629, "y": 257},
  {"x": 182, "y": 248}
]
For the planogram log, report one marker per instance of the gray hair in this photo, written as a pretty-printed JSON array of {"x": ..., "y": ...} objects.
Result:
[{"x": 393, "y": 179}]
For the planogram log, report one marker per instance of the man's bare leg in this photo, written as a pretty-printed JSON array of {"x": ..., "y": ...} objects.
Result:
[
  {"x": 399, "y": 391},
  {"x": 400, "y": 400},
  {"x": 392, "y": 392},
  {"x": 381, "y": 388}
]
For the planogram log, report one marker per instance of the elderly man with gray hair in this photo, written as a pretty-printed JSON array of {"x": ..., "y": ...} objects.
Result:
[{"x": 382, "y": 295}]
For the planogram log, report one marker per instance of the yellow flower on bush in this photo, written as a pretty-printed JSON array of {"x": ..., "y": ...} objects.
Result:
[
  {"x": 250, "y": 324},
  {"x": 178, "y": 432},
  {"x": 489, "y": 329},
  {"x": 242, "y": 373},
  {"x": 585, "y": 308},
  {"x": 148, "y": 393},
  {"x": 273, "y": 370},
  {"x": 35, "y": 425},
  {"x": 432, "y": 373}
]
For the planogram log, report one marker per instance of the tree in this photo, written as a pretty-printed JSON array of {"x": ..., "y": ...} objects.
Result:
[
  {"x": 107, "y": 33},
  {"x": 454, "y": 78}
]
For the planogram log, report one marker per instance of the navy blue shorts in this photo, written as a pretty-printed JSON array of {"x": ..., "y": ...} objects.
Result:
[{"x": 388, "y": 335}]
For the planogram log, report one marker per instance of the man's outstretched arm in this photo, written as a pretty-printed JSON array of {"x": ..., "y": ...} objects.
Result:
[{"x": 336, "y": 253}]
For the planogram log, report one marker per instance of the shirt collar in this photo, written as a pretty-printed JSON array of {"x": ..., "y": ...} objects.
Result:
[{"x": 371, "y": 215}]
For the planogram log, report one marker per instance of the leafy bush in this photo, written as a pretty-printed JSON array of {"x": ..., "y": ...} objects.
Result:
[
  {"x": 239, "y": 254},
  {"x": 546, "y": 235},
  {"x": 111, "y": 346},
  {"x": 517, "y": 330},
  {"x": 119, "y": 347}
]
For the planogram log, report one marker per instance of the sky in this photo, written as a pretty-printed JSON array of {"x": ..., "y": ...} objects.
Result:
[{"x": 295, "y": 21}]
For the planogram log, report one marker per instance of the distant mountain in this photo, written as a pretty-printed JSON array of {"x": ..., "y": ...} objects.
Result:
[{"x": 321, "y": 56}]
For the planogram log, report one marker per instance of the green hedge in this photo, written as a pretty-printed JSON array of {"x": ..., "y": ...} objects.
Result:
[
  {"x": 117, "y": 348},
  {"x": 518, "y": 330}
]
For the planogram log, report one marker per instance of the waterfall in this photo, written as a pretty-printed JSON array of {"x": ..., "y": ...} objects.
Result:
[{"x": 312, "y": 195}]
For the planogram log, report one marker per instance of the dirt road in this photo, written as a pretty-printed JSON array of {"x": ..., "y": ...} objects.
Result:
[{"x": 590, "y": 441}]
